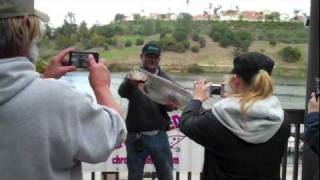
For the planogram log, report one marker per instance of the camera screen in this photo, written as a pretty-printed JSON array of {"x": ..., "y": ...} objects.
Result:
[
  {"x": 80, "y": 59},
  {"x": 216, "y": 89}
]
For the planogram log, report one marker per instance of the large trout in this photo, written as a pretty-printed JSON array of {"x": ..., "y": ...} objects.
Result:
[{"x": 160, "y": 90}]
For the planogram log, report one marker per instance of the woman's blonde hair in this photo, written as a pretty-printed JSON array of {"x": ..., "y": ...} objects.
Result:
[
  {"x": 17, "y": 35},
  {"x": 260, "y": 88}
]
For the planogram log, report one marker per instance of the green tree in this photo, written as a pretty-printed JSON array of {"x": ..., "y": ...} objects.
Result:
[
  {"x": 69, "y": 25},
  {"x": 148, "y": 27},
  {"x": 97, "y": 40},
  {"x": 290, "y": 54},
  {"x": 137, "y": 17},
  {"x": 119, "y": 18},
  {"x": 83, "y": 30},
  {"x": 274, "y": 16},
  {"x": 139, "y": 41},
  {"x": 202, "y": 42},
  {"x": 195, "y": 48},
  {"x": 128, "y": 43}
]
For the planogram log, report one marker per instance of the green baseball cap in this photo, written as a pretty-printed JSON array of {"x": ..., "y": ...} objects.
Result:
[
  {"x": 16, "y": 8},
  {"x": 151, "y": 48}
]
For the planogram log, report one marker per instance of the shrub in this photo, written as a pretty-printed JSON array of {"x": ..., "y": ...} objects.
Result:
[
  {"x": 180, "y": 36},
  {"x": 115, "y": 40},
  {"x": 106, "y": 46},
  {"x": 195, "y": 48},
  {"x": 168, "y": 42},
  {"x": 202, "y": 42},
  {"x": 128, "y": 43},
  {"x": 180, "y": 47},
  {"x": 194, "y": 68},
  {"x": 273, "y": 43},
  {"x": 290, "y": 54},
  {"x": 139, "y": 41},
  {"x": 195, "y": 37},
  {"x": 186, "y": 44},
  {"x": 119, "y": 67},
  {"x": 225, "y": 41},
  {"x": 41, "y": 66}
]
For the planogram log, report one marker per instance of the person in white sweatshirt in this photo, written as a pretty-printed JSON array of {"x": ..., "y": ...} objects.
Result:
[{"x": 47, "y": 128}]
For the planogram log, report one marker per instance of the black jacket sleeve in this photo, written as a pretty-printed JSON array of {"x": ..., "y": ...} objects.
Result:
[
  {"x": 126, "y": 89},
  {"x": 199, "y": 125}
]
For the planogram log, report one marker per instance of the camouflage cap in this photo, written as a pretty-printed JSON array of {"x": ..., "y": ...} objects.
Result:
[{"x": 16, "y": 8}]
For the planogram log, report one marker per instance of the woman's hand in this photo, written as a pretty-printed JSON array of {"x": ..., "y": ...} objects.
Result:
[{"x": 201, "y": 90}]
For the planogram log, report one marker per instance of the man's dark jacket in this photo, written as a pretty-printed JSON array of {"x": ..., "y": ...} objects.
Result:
[
  {"x": 143, "y": 113},
  {"x": 228, "y": 157}
]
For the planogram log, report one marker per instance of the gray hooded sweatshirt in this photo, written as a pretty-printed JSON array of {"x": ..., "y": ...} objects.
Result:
[
  {"x": 47, "y": 128},
  {"x": 262, "y": 120}
]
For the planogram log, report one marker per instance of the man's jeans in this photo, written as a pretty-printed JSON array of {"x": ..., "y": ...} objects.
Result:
[{"x": 157, "y": 146}]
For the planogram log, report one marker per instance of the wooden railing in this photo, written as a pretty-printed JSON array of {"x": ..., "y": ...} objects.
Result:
[{"x": 296, "y": 117}]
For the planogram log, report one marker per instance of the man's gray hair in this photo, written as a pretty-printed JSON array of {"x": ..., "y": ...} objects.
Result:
[{"x": 17, "y": 34}]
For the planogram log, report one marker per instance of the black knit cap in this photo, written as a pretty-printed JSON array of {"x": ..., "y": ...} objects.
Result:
[{"x": 248, "y": 65}]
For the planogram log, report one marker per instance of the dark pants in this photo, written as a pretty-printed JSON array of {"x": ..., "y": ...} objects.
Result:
[{"x": 157, "y": 146}]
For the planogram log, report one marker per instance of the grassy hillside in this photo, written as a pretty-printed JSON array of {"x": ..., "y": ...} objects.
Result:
[{"x": 212, "y": 58}]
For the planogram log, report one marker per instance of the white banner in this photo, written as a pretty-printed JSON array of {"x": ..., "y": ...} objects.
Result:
[{"x": 187, "y": 155}]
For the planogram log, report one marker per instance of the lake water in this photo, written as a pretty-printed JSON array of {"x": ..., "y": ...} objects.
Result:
[{"x": 290, "y": 91}]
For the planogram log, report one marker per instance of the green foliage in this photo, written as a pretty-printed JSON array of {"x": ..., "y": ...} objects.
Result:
[
  {"x": 119, "y": 30},
  {"x": 223, "y": 34},
  {"x": 137, "y": 17},
  {"x": 41, "y": 66},
  {"x": 242, "y": 40},
  {"x": 119, "y": 67},
  {"x": 97, "y": 40},
  {"x": 202, "y": 42},
  {"x": 180, "y": 47},
  {"x": 168, "y": 42},
  {"x": 225, "y": 41},
  {"x": 128, "y": 43},
  {"x": 186, "y": 44},
  {"x": 194, "y": 68},
  {"x": 64, "y": 41},
  {"x": 180, "y": 36},
  {"x": 273, "y": 43},
  {"x": 106, "y": 46},
  {"x": 274, "y": 16},
  {"x": 119, "y": 18},
  {"x": 114, "y": 40},
  {"x": 290, "y": 54},
  {"x": 148, "y": 27},
  {"x": 139, "y": 41},
  {"x": 195, "y": 48},
  {"x": 45, "y": 43},
  {"x": 86, "y": 44},
  {"x": 69, "y": 25},
  {"x": 83, "y": 31},
  {"x": 195, "y": 37}
]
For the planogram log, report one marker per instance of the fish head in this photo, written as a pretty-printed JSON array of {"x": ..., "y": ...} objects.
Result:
[{"x": 137, "y": 74}]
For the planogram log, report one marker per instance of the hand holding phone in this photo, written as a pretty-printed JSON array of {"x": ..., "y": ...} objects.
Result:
[
  {"x": 57, "y": 67},
  {"x": 80, "y": 59}
]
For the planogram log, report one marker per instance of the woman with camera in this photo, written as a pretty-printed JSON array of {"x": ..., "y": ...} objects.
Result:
[{"x": 245, "y": 134}]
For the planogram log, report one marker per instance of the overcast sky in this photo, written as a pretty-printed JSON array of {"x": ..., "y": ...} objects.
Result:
[{"x": 103, "y": 11}]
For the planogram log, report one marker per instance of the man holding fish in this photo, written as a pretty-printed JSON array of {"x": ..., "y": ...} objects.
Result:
[{"x": 147, "y": 121}]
